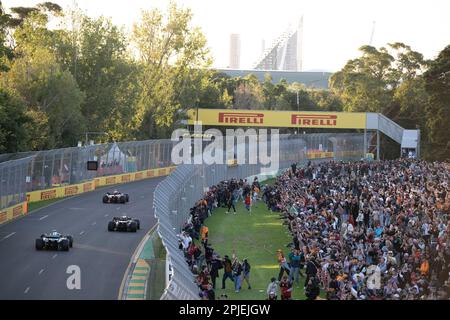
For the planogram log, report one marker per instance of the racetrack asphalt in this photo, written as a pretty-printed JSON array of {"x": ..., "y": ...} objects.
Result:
[{"x": 102, "y": 256}]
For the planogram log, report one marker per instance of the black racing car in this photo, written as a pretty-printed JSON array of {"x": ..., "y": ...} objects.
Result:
[
  {"x": 124, "y": 223},
  {"x": 54, "y": 241},
  {"x": 116, "y": 197}
]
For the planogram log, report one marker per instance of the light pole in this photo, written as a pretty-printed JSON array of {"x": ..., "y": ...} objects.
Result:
[{"x": 94, "y": 133}]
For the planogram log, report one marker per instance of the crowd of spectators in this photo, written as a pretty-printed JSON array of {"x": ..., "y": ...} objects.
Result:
[
  {"x": 201, "y": 257},
  {"x": 366, "y": 230},
  {"x": 360, "y": 231}
]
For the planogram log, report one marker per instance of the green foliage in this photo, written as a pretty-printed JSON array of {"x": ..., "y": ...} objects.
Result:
[
  {"x": 437, "y": 85},
  {"x": 13, "y": 124},
  {"x": 87, "y": 74},
  {"x": 392, "y": 81},
  {"x": 171, "y": 56},
  {"x": 38, "y": 79}
]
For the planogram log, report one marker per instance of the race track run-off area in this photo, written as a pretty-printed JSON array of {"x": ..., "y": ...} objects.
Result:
[{"x": 102, "y": 256}]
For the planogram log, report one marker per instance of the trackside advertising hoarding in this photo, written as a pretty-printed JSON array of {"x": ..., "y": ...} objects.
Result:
[{"x": 289, "y": 119}]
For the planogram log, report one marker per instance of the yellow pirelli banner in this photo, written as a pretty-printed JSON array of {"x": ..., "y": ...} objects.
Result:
[
  {"x": 60, "y": 192},
  {"x": 290, "y": 119},
  {"x": 129, "y": 177},
  {"x": 13, "y": 212}
]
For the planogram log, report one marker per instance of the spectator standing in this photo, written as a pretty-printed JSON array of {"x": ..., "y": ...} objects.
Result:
[
  {"x": 284, "y": 267},
  {"x": 215, "y": 266},
  {"x": 294, "y": 274},
  {"x": 227, "y": 270},
  {"x": 246, "y": 272},
  {"x": 286, "y": 288},
  {"x": 237, "y": 274},
  {"x": 272, "y": 289},
  {"x": 248, "y": 203}
]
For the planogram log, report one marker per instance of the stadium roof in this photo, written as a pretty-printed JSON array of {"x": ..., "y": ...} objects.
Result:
[{"x": 309, "y": 79}]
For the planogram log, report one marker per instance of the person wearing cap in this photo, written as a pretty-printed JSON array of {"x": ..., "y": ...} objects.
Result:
[{"x": 272, "y": 289}]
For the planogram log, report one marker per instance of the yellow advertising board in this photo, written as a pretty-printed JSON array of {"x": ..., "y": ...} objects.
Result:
[
  {"x": 289, "y": 119},
  {"x": 74, "y": 189},
  {"x": 13, "y": 212}
]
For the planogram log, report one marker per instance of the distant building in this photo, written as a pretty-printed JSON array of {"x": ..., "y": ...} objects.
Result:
[
  {"x": 235, "y": 51},
  {"x": 317, "y": 80},
  {"x": 286, "y": 52}
]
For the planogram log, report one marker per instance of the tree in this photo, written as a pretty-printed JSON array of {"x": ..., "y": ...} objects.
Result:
[
  {"x": 14, "y": 136},
  {"x": 249, "y": 94},
  {"x": 437, "y": 85},
  {"x": 47, "y": 90},
  {"x": 363, "y": 83},
  {"x": 104, "y": 72},
  {"x": 171, "y": 55}
]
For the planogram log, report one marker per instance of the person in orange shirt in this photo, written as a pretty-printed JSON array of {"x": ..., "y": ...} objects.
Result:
[
  {"x": 204, "y": 235},
  {"x": 424, "y": 267}
]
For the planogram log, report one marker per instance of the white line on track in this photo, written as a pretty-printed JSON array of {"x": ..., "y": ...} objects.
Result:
[
  {"x": 54, "y": 256},
  {"x": 26, "y": 290},
  {"x": 9, "y": 235},
  {"x": 40, "y": 272},
  {"x": 81, "y": 233},
  {"x": 42, "y": 218},
  {"x": 106, "y": 215}
]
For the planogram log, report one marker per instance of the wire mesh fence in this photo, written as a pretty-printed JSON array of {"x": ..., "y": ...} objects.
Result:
[{"x": 13, "y": 179}]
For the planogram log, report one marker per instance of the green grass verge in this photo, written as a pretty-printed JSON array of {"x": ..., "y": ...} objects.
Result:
[
  {"x": 255, "y": 236},
  {"x": 39, "y": 204}
]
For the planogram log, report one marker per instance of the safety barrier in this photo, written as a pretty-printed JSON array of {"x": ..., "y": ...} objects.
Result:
[{"x": 13, "y": 212}]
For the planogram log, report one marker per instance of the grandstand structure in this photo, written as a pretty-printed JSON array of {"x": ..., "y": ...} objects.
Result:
[{"x": 286, "y": 51}]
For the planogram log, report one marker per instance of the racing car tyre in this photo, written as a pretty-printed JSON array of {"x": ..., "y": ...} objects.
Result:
[
  {"x": 127, "y": 197},
  {"x": 123, "y": 199},
  {"x": 133, "y": 226},
  {"x": 70, "y": 238},
  {"x": 40, "y": 244},
  {"x": 138, "y": 224},
  {"x": 105, "y": 199},
  {"x": 110, "y": 226},
  {"x": 64, "y": 245}
]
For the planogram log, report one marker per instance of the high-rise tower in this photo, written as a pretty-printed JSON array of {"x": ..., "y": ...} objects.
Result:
[
  {"x": 235, "y": 51},
  {"x": 285, "y": 53}
]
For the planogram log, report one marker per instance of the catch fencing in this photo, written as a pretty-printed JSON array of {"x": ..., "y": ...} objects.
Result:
[
  {"x": 179, "y": 192},
  {"x": 13, "y": 179},
  {"x": 30, "y": 171}
]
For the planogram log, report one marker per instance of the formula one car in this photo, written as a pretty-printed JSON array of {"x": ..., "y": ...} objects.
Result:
[
  {"x": 54, "y": 241},
  {"x": 116, "y": 197},
  {"x": 124, "y": 223}
]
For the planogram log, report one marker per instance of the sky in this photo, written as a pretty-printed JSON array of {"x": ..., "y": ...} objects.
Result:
[{"x": 333, "y": 29}]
